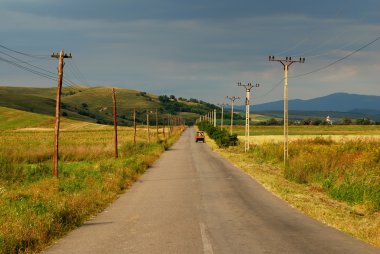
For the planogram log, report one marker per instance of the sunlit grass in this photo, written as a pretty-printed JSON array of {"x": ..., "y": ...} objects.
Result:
[
  {"x": 335, "y": 181},
  {"x": 36, "y": 208}
]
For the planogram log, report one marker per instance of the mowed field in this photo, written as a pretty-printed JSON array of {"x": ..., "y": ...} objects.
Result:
[
  {"x": 262, "y": 134},
  {"x": 37, "y": 208}
]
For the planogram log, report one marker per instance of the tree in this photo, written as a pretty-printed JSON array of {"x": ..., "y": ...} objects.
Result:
[{"x": 346, "y": 121}]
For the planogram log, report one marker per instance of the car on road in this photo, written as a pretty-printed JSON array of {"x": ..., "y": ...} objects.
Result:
[{"x": 200, "y": 136}]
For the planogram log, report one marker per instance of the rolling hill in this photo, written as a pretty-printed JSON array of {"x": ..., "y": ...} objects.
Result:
[{"x": 94, "y": 104}]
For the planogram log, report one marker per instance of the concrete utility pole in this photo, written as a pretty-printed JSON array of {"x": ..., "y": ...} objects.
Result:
[
  {"x": 222, "y": 115},
  {"x": 214, "y": 117},
  {"x": 286, "y": 63},
  {"x": 232, "y": 99},
  {"x": 248, "y": 88},
  {"x": 115, "y": 122},
  {"x": 61, "y": 63}
]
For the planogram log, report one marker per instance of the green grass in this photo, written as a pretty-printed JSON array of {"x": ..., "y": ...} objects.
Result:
[
  {"x": 337, "y": 183},
  {"x": 36, "y": 208},
  {"x": 348, "y": 171}
]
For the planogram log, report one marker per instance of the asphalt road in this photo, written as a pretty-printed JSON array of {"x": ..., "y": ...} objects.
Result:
[{"x": 194, "y": 201}]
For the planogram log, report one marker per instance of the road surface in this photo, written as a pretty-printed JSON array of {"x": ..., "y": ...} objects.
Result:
[{"x": 194, "y": 201}]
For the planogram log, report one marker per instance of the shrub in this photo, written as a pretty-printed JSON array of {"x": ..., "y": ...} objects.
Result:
[{"x": 221, "y": 136}]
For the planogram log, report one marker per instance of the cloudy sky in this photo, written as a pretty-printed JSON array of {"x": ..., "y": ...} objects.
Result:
[{"x": 198, "y": 49}]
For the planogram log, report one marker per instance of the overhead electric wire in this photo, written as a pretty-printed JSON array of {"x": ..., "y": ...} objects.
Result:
[
  {"x": 272, "y": 89},
  {"x": 29, "y": 69},
  {"x": 308, "y": 38},
  {"x": 334, "y": 50},
  {"x": 22, "y": 61},
  {"x": 336, "y": 61},
  {"x": 25, "y": 54}
]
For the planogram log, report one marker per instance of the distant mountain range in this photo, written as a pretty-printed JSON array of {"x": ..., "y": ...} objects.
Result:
[{"x": 337, "y": 102}]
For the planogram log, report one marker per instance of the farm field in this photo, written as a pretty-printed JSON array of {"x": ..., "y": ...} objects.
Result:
[
  {"x": 331, "y": 177},
  {"x": 362, "y": 130},
  {"x": 36, "y": 208}
]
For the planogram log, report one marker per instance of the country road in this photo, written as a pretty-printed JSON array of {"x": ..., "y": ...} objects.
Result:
[{"x": 194, "y": 201}]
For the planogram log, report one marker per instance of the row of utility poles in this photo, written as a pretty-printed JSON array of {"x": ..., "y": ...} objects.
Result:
[
  {"x": 171, "y": 120},
  {"x": 286, "y": 62}
]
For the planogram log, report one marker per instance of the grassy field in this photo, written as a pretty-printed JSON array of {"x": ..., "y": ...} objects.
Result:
[
  {"x": 311, "y": 130},
  {"x": 36, "y": 208},
  {"x": 333, "y": 180}
]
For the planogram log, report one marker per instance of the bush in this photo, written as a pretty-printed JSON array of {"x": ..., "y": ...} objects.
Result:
[{"x": 221, "y": 136}]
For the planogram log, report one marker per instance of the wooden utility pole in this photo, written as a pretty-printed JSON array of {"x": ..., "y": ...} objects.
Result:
[
  {"x": 134, "y": 126},
  {"x": 157, "y": 123},
  {"x": 232, "y": 99},
  {"x": 115, "y": 122},
  {"x": 147, "y": 124},
  {"x": 163, "y": 128},
  {"x": 169, "y": 124},
  {"x": 60, "y": 57},
  {"x": 286, "y": 63}
]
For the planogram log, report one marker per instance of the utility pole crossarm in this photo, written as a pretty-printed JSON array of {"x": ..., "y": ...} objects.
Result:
[
  {"x": 287, "y": 60},
  {"x": 57, "y": 55}
]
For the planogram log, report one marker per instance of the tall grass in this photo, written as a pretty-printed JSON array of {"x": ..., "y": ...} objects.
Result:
[
  {"x": 36, "y": 208},
  {"x": 347, "y": 171}
]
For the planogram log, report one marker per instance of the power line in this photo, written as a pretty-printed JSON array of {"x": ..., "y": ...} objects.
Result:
[
  {"x": 25, "y": 54},
  {"x": 272, "y": 89},
  {"x": 41, "y": 74},
  {"x": 336, "y": 61},
  {"x": 24, "y": 62}
]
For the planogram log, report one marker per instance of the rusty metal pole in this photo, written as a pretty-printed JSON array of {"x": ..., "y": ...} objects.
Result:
[
  {"x": 60, "y": 57},
  {"x": 115, "y": 122}
]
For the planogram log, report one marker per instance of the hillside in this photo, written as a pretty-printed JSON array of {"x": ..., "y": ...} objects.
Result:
[
  {"x": 94, "y": 104},
  {"x": 14, "y": 119}
]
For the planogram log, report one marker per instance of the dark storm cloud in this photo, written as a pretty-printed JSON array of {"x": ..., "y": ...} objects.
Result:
[
  {"x": 124, "y": 10},
  {"x": 183, "y": 47}
]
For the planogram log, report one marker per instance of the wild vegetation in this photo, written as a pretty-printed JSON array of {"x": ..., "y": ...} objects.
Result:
[
  {"x": 221, "y": 136},
  {"x": 347, "y": 171},
  {"x": 336, "y": 181},
  {"x": 36, "y": 208}
]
